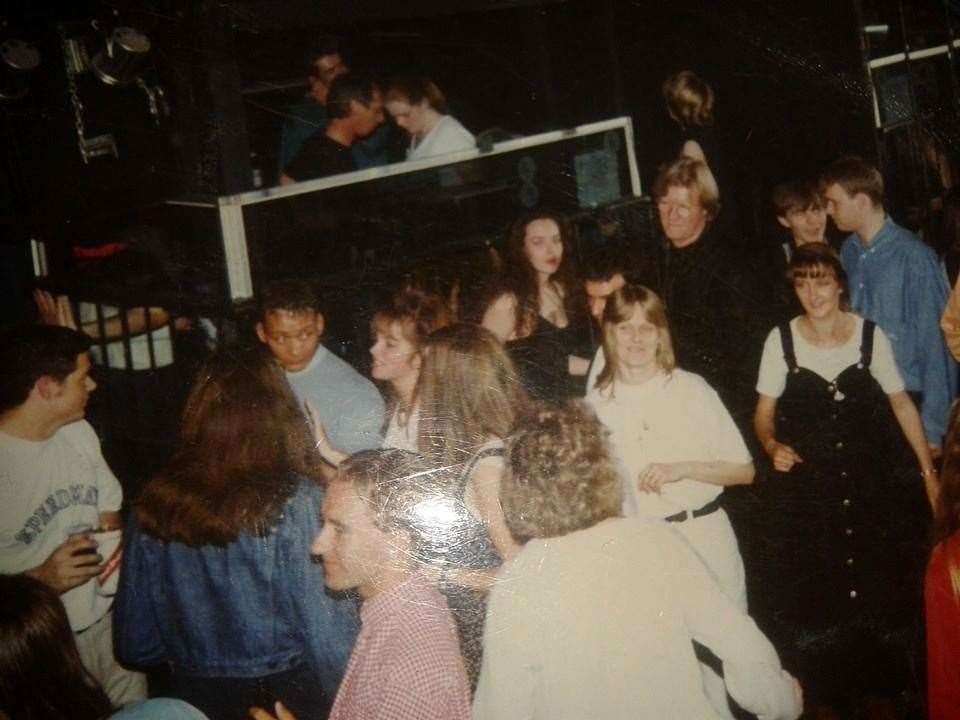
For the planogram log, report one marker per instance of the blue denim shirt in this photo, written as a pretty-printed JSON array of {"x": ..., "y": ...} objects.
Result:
[
  {"x": 897, "y": 282},
  {"x": 253, "y": 608}
]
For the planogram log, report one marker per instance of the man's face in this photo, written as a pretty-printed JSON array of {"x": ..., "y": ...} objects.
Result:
[
  {"x": 367, "y": 118},
  {"x": 356, "y": 553},
  {"x": 846, "y": 210},
  {"x": 682, "y": 216},
  {"x": 292, "y": 337},
  {"x": 326, "y": 69},
  {"x": 807, "y": 225},
  {"x": 71, "y": 394},
  {"x": 599, "y": 290}
]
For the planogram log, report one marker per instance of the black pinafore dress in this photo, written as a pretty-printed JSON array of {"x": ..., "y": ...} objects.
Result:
[{"x": 846, "y": 529}]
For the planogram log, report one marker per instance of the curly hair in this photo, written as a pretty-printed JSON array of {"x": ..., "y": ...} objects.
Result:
[{"x": 560, "y": 477}]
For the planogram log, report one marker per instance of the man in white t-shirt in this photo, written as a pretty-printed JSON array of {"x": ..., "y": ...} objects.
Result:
[{"x": 55, "y": 487}]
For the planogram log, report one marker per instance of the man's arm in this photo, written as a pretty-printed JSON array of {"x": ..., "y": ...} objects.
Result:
[{"x": 926, "y": 294}]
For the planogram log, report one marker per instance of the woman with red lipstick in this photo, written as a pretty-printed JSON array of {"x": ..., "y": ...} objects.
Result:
[
  {"x": 843, "y": 521},
  {"x": 543, "y": 315}
]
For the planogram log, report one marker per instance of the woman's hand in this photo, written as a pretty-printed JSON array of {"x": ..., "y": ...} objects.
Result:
[
  {"x": 282, "y": 713},
  {"x": 327, "y": 451},
  {"x": 784, "y": 457},
  {"x": 655, "y": 475}
]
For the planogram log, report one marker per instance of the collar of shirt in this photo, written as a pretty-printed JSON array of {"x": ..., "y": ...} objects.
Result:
[
  {"x": 417, "y": 593},
  {"x": 318, "y": 357},
  {"x": 884, "y": 235}
]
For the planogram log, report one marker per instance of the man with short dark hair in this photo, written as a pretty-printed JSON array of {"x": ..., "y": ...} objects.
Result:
[
  {"x": 355, "y": 107},
  {"x": 800, "y": 208},
  {"x": 896, "y": 281},
  {"x": 346, "y": 405},
  {"x": 55, "y": 488},
  {"x": 406, "y": 664}
]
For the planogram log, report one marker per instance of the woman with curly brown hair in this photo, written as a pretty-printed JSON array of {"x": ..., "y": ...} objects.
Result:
[
  {"x": 942, "y": 587},
  {"x": 542, "y": 313},
  {"x": 596, "y": 615},
  {"x": 217, "y": 580}
]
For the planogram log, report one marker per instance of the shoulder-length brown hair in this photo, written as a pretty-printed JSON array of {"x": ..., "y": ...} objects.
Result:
[
  {"x": 619, "y": 308},
  {"x": 469, "y": 391},
  {"x": 521, "y": 279},
  {"x": 243, "y": 444}
]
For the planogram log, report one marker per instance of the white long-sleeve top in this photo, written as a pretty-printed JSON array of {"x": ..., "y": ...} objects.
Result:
[{"x": 598, "y": 624}]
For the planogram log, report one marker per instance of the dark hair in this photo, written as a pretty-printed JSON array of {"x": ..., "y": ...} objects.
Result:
[
  {"x": 323, "y": 46},
  {"x": 812, "y": 260},
  {"x": 602, "y": 264},
  {"x": 30, "y": 352},
  {"x": 560, "y": 477},
  {"x": 291, "y": 294},
  {"x": 796, "y": 195},
  {"x": 351, "y": 87},
  {"x": 244, "y": 444},
  {"x": 414, "y": 89},
  {"x": 521, "y": 278},
  {"x": 855, "y": 175},
  {"x": 41, "y": 674}
]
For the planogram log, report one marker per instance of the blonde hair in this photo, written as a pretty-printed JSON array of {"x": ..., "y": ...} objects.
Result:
[
  {"x": 619, "y": 308},
  {"x": 694, "y": 175},
  {"x": 559, "y": 476},
  {"x": 469, "y": 391},
  {"x": 689, "y": 99}
]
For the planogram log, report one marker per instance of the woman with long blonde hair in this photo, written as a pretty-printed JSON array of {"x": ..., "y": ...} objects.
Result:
[
  {"x": 674, "y": 440},
  {"x": 470, "y": 399}
]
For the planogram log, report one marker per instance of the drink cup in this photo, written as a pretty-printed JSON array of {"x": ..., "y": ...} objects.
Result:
[{"x": 110, "y": 547}]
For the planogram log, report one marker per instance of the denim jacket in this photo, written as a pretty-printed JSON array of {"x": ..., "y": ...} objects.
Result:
[{"x": 253, "y": 608}]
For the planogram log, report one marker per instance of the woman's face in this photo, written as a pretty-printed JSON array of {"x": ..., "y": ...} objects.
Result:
[
  {"x": 543, "y": 246},
  {"x": 411, "y": 118},
  {"x": 637, "y": 341},
  {"x": 820, "y": 295},
  {"x": 395, "y": 359}
]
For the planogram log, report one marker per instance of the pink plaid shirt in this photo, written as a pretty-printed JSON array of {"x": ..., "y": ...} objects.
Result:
[{"x": 406, "y": 664}]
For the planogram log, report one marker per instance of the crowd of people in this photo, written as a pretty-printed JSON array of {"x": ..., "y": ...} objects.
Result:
[{"x": 523, "y": 512}]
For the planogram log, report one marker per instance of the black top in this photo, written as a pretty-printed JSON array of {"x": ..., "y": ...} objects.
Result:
[
  {"x": 319, "y": 157},
  {"x": 718, "y": 314},
  {"x": 542, "y": 361},
  {"x": 843, "y": 530}
]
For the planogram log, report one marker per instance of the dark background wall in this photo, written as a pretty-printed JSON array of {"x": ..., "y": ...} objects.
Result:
[{"x": 789, "y": 76}]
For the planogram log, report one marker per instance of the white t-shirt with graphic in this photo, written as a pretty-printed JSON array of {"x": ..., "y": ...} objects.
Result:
[{"x": 47, "y": 487}]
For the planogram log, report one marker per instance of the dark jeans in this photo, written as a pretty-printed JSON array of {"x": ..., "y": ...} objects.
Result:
[{"x": 230, "y": 698}]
